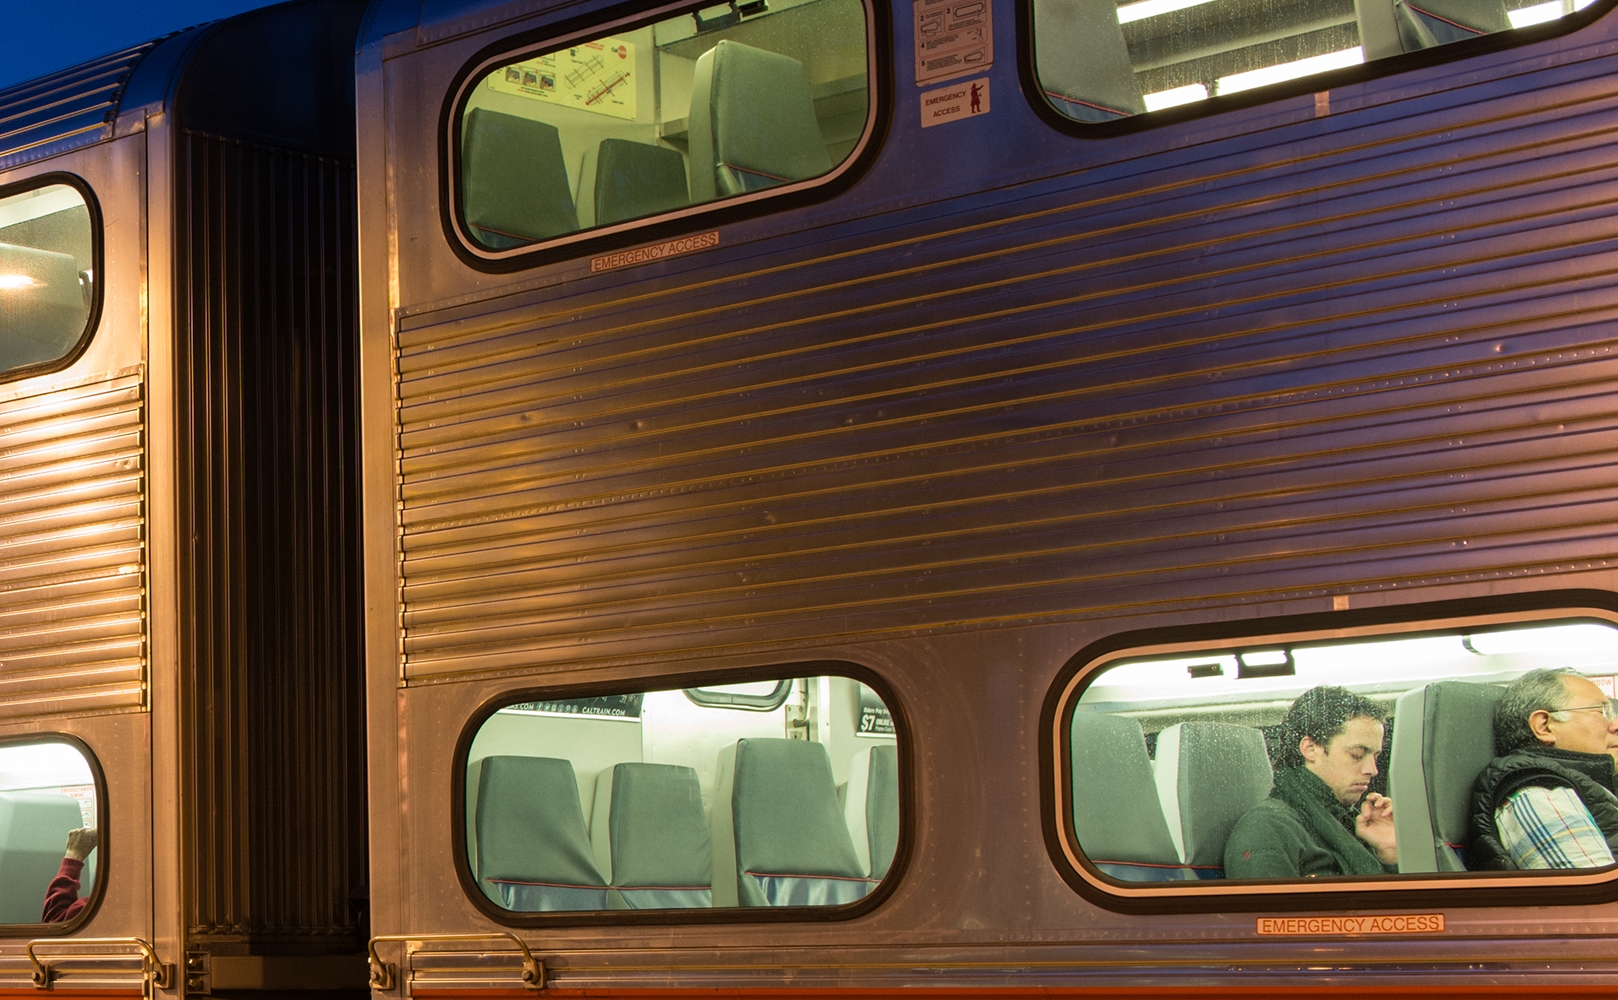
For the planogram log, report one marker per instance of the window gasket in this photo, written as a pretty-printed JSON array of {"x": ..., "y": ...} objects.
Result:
[
  {"x": 691, "y": 219},
  {"x": 103, "y": 869},
  {"x": 713, "y": 915},
  {"x": 1403, "y": 891},
  {"x": 92, "y": 321},
  {"x": 1034, "y": 92}
]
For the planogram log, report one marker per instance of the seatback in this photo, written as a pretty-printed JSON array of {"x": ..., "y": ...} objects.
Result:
[
  {"x": 778, "y": 835},
  {"x": 1208, "y": 775},
  {"x": 752, "y": 122},
  {"x": 514, "y": 187},
  {"x": 871, "y": 807},
  {"x": 1116, "y": 818},
  {"x": 532, "y": 846},
  {"x": 1083, "y": 61},
  {"x": 1435, "y": 22},
  {"x": 1443, "y": 736},
  {"x": 33, "y": 835},
  {"x": 650, "y": 836},
  {"x": 635, "y": 179}
]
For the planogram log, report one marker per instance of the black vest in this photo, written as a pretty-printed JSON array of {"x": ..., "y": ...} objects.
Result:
[{"x": 1590, "y": 775}]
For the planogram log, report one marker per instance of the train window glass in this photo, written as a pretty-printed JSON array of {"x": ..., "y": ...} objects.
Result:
[
  {"x": 656, "y": 800},
  {"x": 701, "y": 107},
  {"x": 1369, "y": 759},
  {"x": 47, "y": 276},
  {"x": 48, "y": 832},
  {"x": 1101, "y": 60}
]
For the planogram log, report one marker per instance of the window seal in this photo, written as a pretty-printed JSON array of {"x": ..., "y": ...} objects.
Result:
[
  {"x": 103, "y": 867},
  {"x": 92, "y": 322},
  {"x": 694, "y": 916},
  {"x": 1405, "y": 891},
  {"x": 693, "y": 218},
  {"x": 1034, "y": 93}
]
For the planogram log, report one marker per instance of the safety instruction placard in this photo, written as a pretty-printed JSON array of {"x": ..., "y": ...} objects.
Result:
[
  {"x": 954, "y": 102},
  {"x": 597, "y": 76},
  {"x": 953, "y": 38}
]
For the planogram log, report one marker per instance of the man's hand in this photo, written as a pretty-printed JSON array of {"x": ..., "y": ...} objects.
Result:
[
  {"x": 1375, "y": 826},
  {"x": 81, "y": 842}
]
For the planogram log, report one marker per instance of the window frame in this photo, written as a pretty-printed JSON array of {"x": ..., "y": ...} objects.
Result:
[
  {"x": 1398, "y": 891},
  {"x": 92, "y": 321},
  {"x": 1034, "y": 92},
  {"x": 572, "y": 246},
  {"x": 712, "y": 915},
  {"x": 103, "y": 870}
]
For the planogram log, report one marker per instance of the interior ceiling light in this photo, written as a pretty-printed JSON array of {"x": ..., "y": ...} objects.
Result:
[
  {"x": 1267, "y": 75},
  {"x": 1151, "y": 8},
  {"x": 1264, "y": 663},
  {"x": 10, "y": 281}
]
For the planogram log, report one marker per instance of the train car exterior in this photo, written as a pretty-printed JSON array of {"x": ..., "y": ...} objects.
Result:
[
  {"x": 1013, "y": 392},
  {"x": 179, "y": 610}
]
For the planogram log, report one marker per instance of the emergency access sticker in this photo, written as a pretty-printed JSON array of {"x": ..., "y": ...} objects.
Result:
[
  {"x": 966, "y": 99},
  {"x": 1382, "y": 923}
]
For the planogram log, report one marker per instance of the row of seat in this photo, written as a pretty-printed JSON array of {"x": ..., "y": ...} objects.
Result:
[
  {"x": 776, "y": 836},
  {"x": 752, "y": 125},
  {"x": 1085, "y": 67},
  {"x": 1166, "y": 819}
]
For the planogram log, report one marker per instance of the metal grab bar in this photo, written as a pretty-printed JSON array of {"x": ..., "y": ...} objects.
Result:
[
  {"x": 383, "y": 974},
  {"x": 154, "y": 973}
]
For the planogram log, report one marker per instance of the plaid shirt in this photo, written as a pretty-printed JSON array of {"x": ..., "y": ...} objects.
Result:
[{"x": 1550, "y": 828}]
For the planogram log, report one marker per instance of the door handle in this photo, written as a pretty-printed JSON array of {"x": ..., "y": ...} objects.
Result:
[
  {"x": 384, "y": 975},
  {"x": 154, "y": 973}
]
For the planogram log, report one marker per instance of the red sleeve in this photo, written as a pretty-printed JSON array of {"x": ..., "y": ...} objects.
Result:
[{"x": 62, "y": 902}]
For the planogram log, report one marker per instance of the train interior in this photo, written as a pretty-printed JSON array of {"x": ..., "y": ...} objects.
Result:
[
  {"x": 46, "y": 790},
  {"x": 604, "y": 132},
  {"x": 769, "y": 793},
  {"x": 46, "y": 274},
  {"x": 1167, "y": 753},
  {"x": 1099, "y": 60}
]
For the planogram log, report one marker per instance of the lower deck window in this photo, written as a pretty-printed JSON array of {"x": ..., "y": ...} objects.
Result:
[
  {"x": 48, "y": 832},
  {"x": 776, "y": 793},
  {"x": 1447, "y": 753},
  {"x": 1101, "y": 60},
  {"x": 47, "y": 275}
]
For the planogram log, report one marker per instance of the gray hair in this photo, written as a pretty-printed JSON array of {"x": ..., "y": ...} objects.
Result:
[{"x": 1535, "y": 691}]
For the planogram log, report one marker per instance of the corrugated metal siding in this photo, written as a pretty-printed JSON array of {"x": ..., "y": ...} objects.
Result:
[
  {"x": 71, "y": 108},
  {"x": 272, "y": 683},
  {"x": 1371, "y": 351},
  {"x": 72, "y": 549}
]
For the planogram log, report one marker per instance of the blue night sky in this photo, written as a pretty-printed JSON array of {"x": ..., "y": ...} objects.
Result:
[{"x": 41, "y": 37}]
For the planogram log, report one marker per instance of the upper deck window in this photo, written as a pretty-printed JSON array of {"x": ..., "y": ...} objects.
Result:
[
  {"x": 653, "y": 120},
  {"x": 1101, "y": 60},
  {"x": 47, "y": 276},
  {"x": 768, "y": 794},
  {"x": 1287, "y": 762}
]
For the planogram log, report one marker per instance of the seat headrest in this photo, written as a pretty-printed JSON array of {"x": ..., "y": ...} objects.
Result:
[
  {"x": 872, "y": 807},
  {"x": 1083, "y": 59},
  {"x": 635, "y": 179},
  {"x": 784, "y": 809},
  {"x": 514, "y": 186},
  {"x": 649, "y": 828},
  {"x": 1457, "y": 744},
  {"x": 1210, "y": 773},
  {"x": 1116, "y": 816},
  {"x": 530, "y": 826},
  {"x": 753, "y": 122}
]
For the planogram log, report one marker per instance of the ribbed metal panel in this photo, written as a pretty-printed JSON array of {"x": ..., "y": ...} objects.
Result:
[
  {"x": 272, "y": 685},
  {"x": 1371, "y": 351},
  {"x": 68, "y": 109},
  {"x": 72, "y": 550}
]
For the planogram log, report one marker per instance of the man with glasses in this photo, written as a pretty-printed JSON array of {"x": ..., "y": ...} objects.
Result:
[{"x": 1547, "y": 799}]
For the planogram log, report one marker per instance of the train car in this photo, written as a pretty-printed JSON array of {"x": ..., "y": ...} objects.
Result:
[
  {"x": 180, "y": 626},
  {"x": 860, "y": 498}
]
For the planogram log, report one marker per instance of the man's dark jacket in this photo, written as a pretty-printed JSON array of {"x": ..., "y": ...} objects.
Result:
[
  {"x": 1590, "y": 775},
  {"x": 1300, "y": 831}
]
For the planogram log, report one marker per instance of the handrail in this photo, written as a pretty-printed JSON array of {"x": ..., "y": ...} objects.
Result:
[
  {"x": 154, "y": 973},
  {"x": 383, "y": 975}
]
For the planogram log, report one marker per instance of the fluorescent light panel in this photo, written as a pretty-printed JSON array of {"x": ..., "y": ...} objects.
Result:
[
  {"x": 1173, "y": 98},
  {"x": 1237, "y": 82},
  {"x": 1151, "y": 8}
]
